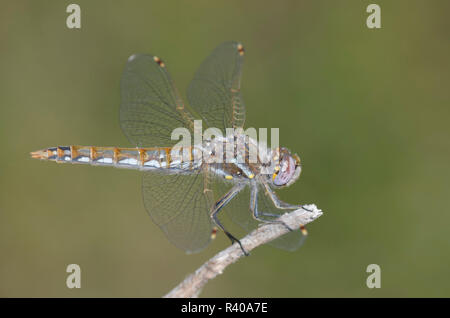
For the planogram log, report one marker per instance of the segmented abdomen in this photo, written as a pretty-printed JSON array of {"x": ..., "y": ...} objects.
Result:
[{"x": 134, "y": 158}]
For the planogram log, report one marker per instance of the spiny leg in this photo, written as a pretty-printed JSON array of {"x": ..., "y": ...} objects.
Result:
[
  {"x": 278, "y": 204},
  {"x": 258, "y": 215},
  {"x": 230, "y": 236},
  {"x": 281, "y": 204},
  {"x": 219, "y": 205}
]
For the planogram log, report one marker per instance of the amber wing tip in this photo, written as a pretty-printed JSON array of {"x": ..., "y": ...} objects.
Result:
[
  {"x": 241, "y": 49},
  {"x": 303, "y": 230}
]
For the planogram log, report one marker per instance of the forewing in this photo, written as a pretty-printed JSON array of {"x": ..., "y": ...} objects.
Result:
[
  {"x": 178, "y": 205},
  {"x": 214, "y": 92},
  {"x": 150, "y": 106}
]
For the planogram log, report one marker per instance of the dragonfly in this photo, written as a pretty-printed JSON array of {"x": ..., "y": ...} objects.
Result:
[{"x": 184, "y": 195}]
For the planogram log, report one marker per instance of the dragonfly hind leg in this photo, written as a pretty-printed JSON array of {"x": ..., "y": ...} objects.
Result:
[
  {"x": 230, "y": 236},
  {"x": 218, "y": 206}
]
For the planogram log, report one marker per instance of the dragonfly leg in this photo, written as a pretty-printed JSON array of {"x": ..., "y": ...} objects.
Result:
[
  {"x": 281, "y": 204},
  {"x": 219, "y": 205},
  {"x": 286, "y": 206},
  {"x": 259, "y": 215}
]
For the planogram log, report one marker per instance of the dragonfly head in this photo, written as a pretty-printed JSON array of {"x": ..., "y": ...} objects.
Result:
[{"x": 287, "y": 168}]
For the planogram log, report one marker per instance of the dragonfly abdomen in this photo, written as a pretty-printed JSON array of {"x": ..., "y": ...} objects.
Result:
[{"x": 132, "y": 158}]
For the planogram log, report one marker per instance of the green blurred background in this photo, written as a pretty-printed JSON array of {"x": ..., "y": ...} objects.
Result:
[{"x": 367, "y": 110}]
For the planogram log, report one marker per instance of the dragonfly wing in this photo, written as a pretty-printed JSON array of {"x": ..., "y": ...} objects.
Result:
[
  {"x": 178, "y": 205},
  {"x": 150, "y": 106},
  {"x": 214, "y": 93}
]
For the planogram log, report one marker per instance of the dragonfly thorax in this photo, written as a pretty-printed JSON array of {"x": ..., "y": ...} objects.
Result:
[{"x": 241, "y": 157}]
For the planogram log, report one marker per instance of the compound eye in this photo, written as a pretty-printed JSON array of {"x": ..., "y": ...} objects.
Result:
[{"x": 286, "y": 173}]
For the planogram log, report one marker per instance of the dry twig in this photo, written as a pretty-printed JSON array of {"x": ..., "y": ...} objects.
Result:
[{"x": 194, "y": 283}]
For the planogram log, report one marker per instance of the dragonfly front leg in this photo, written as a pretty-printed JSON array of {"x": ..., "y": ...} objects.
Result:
[
  {"x": 258, "y": 215},
  {"x": 281, "y": 204},
  {"x": 219, "y": 205},
  {"x": 285, "y": 206}
]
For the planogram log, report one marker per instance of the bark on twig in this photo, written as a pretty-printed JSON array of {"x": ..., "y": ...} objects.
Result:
[{"x": 194, "y": 283}]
